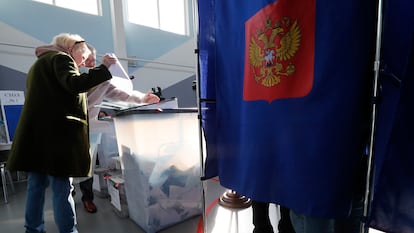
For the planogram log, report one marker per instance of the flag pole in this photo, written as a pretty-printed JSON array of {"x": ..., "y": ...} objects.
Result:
[
  {"x": 198, "y": 94},
  {"x": 371, "y": 168}
]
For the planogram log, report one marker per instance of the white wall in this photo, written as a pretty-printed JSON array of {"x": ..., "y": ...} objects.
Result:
[
  {"x": 167, "y": 70},
  {"x": 16, "y": 48}
]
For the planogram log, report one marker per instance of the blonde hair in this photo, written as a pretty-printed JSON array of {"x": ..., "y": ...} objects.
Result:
[{"x": 68, "y": 41}]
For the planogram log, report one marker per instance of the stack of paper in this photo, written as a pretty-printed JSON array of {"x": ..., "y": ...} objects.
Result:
[{"x": 121, "y": 105}]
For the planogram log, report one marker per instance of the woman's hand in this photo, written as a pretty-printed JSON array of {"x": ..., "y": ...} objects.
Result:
[
  {"x": 150, "y": 98},
  {"x": 108, "y": 60}
]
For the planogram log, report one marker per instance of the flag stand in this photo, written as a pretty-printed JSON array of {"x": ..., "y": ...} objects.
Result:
[
  {"x": 370, "y": 171},
  {"x": 231, "y": 199}
]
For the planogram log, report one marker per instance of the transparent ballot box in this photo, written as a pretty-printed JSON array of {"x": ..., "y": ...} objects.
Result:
[
  {"x": 108, "y": 148},
  {"x": 160, "y": 161}
]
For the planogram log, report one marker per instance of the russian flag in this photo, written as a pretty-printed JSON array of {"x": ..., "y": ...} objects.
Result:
[{"x": 285, "y": 90}]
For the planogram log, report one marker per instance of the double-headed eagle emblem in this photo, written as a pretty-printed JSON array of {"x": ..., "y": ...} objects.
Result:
[{"x": 271, "y": 51}]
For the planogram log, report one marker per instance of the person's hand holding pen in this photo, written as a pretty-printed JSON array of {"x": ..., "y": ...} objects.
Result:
[
  {"x": 150, "y": 98},
  {"x": 108, "y": 60}
]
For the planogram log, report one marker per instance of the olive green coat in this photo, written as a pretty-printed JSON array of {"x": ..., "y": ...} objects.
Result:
[{"x": 52, "y": 133}]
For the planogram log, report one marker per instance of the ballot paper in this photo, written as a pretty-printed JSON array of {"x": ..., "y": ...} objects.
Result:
[
  {"x": 171, "y": 103},
  {"x": 120, "y": 77}
]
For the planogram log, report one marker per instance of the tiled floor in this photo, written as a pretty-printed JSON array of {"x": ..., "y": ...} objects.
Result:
[{"x": 219, "y": 219}]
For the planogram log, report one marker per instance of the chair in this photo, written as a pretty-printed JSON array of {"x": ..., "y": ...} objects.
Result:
[
  {"x": 4, "y": 173},
  {"x": 11, "y": 105}
]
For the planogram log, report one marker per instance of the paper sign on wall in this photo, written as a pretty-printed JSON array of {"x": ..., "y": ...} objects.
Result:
[{"x": 11, "y": 103}]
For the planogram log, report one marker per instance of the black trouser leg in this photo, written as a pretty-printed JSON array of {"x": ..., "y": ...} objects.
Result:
[
  {"x": 86, "y": 189},
  {"x": 285, "y": 225},
  {"x": 261, "y": 219}
]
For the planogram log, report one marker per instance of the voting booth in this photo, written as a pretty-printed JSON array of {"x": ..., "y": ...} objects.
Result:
[
  {"x": 160, "y": 160},
  {"x": 11, "y": 105}
]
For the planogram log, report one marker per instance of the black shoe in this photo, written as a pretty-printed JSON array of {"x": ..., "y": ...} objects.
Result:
[{"x": 263, "y": 230}]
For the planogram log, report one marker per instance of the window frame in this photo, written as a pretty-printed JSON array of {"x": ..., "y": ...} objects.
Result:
[
  {"x": 57, "y": 4},
  {"x": 185, "y": 27}
]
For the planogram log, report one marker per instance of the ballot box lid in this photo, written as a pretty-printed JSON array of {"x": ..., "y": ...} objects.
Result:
[{"x": 136, "y": 110}]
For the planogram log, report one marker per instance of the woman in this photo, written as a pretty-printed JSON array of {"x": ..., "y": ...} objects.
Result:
[
  {"x": 96, "y": 95},
  {"x": 51, "y": 141}
]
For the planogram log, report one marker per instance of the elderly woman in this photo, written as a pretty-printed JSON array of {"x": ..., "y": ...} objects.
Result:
[
  {"x": 105, "y": 90},
  {"x": 51, "y": 142}
]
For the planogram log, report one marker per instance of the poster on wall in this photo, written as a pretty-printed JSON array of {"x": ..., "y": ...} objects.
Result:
[{"x": 11, "y": 105}]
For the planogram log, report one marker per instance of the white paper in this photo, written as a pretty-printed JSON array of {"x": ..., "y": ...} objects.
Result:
[
  {"x": 115, "y": 199},
  {"x": 117, "y": 105},
  {"x": 120, "y": 78},
  {"x": 12, "y": 97},
  {"x": 165, "y": 104},
  {"x": 96, "y": 185}
]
